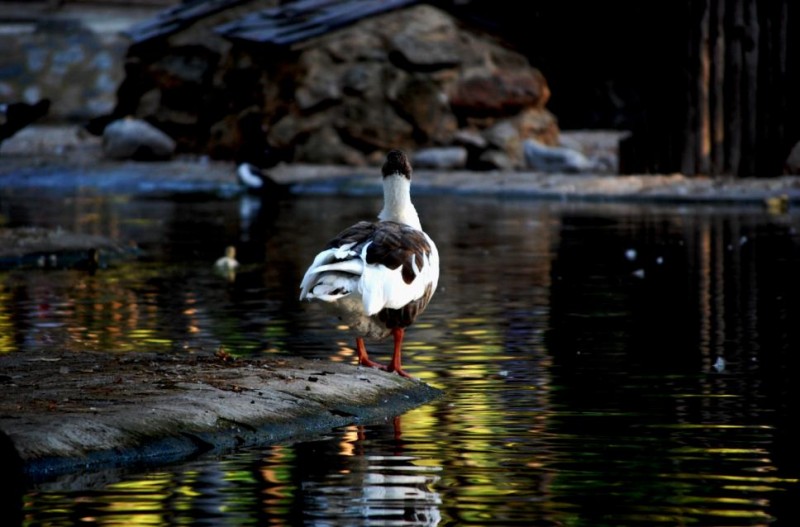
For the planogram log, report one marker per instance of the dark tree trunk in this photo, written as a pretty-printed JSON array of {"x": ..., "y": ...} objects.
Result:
[
  {"x": 737, "y": 117},
  {"x": 750, "y": 112},
  {"x": 718, "y": 89},
  {"x": 705, "y": 86}
]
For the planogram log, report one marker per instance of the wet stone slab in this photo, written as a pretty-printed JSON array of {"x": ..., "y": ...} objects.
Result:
[
  {"x": 39, "y": 248},
  {"x": 70, "y": 412}
]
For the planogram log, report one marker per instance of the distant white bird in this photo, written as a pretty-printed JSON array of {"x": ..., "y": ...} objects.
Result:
[
  {"x": 379, "y": 276},
  {"x": 257, "y": 180}
]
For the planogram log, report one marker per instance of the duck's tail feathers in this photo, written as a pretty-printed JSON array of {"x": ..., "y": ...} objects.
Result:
[{"x": 338, "y": 276}]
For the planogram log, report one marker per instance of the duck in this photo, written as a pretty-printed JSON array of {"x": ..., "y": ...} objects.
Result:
[
  {"x": 256, "y": 180},
  {"x": 378, "y": 276},
  {"x": 226, "y": 265}
]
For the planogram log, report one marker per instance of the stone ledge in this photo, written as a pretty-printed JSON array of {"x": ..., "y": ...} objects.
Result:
[{"x": 68, "y": 412}]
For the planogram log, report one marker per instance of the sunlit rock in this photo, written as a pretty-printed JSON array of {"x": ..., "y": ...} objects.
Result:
[
  {"x": 554, "y": 158},
  {"x": 441, "y": 158}
]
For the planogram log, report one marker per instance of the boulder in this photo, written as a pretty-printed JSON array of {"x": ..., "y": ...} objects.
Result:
[
  {"x": 440, "y": 158},
  {"x": 131, "y": 138},
  {"x": 546, "y": 158}
]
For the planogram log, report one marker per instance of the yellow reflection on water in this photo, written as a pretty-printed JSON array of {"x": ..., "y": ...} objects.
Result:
[
  {"x": 684, "y": 516},
  {"x": 713, "y": 426},
  {"x": 6, "y": 324},
  {"x": 738, "y": 479},
  {"x": 149, "y": 335},
  {"x": 350, "y": 435},
  {"x": 720, "y": 450}
]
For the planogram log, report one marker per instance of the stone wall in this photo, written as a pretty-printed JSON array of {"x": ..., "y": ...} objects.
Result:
[
  {"x": 72, "y": 55},
  {"x": 76, "y": 69}
]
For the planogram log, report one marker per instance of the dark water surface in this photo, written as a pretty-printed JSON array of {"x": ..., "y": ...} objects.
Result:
[{"x": 603, "y": 365}]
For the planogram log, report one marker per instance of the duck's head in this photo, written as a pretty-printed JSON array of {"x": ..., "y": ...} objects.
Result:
[{"x": 397, "y": 163}]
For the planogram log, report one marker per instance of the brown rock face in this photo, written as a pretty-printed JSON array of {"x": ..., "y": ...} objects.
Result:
[
  {"x": 411, "y": 78},
  {"x": 499, "y": 94}
]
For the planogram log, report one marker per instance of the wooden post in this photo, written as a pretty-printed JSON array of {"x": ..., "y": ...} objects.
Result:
[
  {"x": 737, "y": 114},
  {"x": 750, "y": 117},
  {"x": 733, "y": 128},
  {"x": 718, "y": 88},
  {"x": 703, "y": 160}
]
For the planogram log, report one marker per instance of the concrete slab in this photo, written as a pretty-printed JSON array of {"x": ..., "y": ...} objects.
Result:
[
  {"x": 71, "y": 412},
  {"x": 36, "y": 247}
]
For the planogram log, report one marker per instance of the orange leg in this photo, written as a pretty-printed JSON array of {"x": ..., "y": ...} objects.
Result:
[
  {"x": 398, "y": 434},
  {"x": 363, "y": 358},
  {"x": 394, "y": 366}
]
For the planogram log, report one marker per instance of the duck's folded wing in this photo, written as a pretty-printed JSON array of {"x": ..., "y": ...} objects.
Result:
[
  {"x": 389, "y": 264},
  {"x": 401, "y": 265},
  {"x": 341, "y": 255}
]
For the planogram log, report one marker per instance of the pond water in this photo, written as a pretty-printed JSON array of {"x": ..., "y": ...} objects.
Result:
[{"x": 602, "y": 364}]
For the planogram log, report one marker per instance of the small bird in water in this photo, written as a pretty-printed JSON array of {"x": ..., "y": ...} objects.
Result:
[
  {"x": 379, "y": 276},
  {"x": 227, "y": 265}
]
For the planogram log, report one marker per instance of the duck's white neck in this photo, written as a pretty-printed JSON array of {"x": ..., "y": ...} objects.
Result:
[{"x": 397, "y": 204}]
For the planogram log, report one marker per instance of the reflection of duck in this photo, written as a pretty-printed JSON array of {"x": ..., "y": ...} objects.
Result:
[
  {"x": 91, "y": 263},
  {"x": 364, "y": 477},
  {"x": 11, "y": 492},
  {"x": 379, "y": 276}
]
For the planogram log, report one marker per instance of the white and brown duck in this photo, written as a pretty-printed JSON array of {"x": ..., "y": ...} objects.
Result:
[{"x": 379, "y": 276}]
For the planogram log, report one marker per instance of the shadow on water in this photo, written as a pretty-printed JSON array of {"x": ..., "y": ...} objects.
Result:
[
  {"x": 604, "y": 365},
  {"x": 12, "y": 482}
]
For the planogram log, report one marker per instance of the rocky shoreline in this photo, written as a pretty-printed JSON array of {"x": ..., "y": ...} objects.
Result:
[{"x": 34, "y": 155}]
